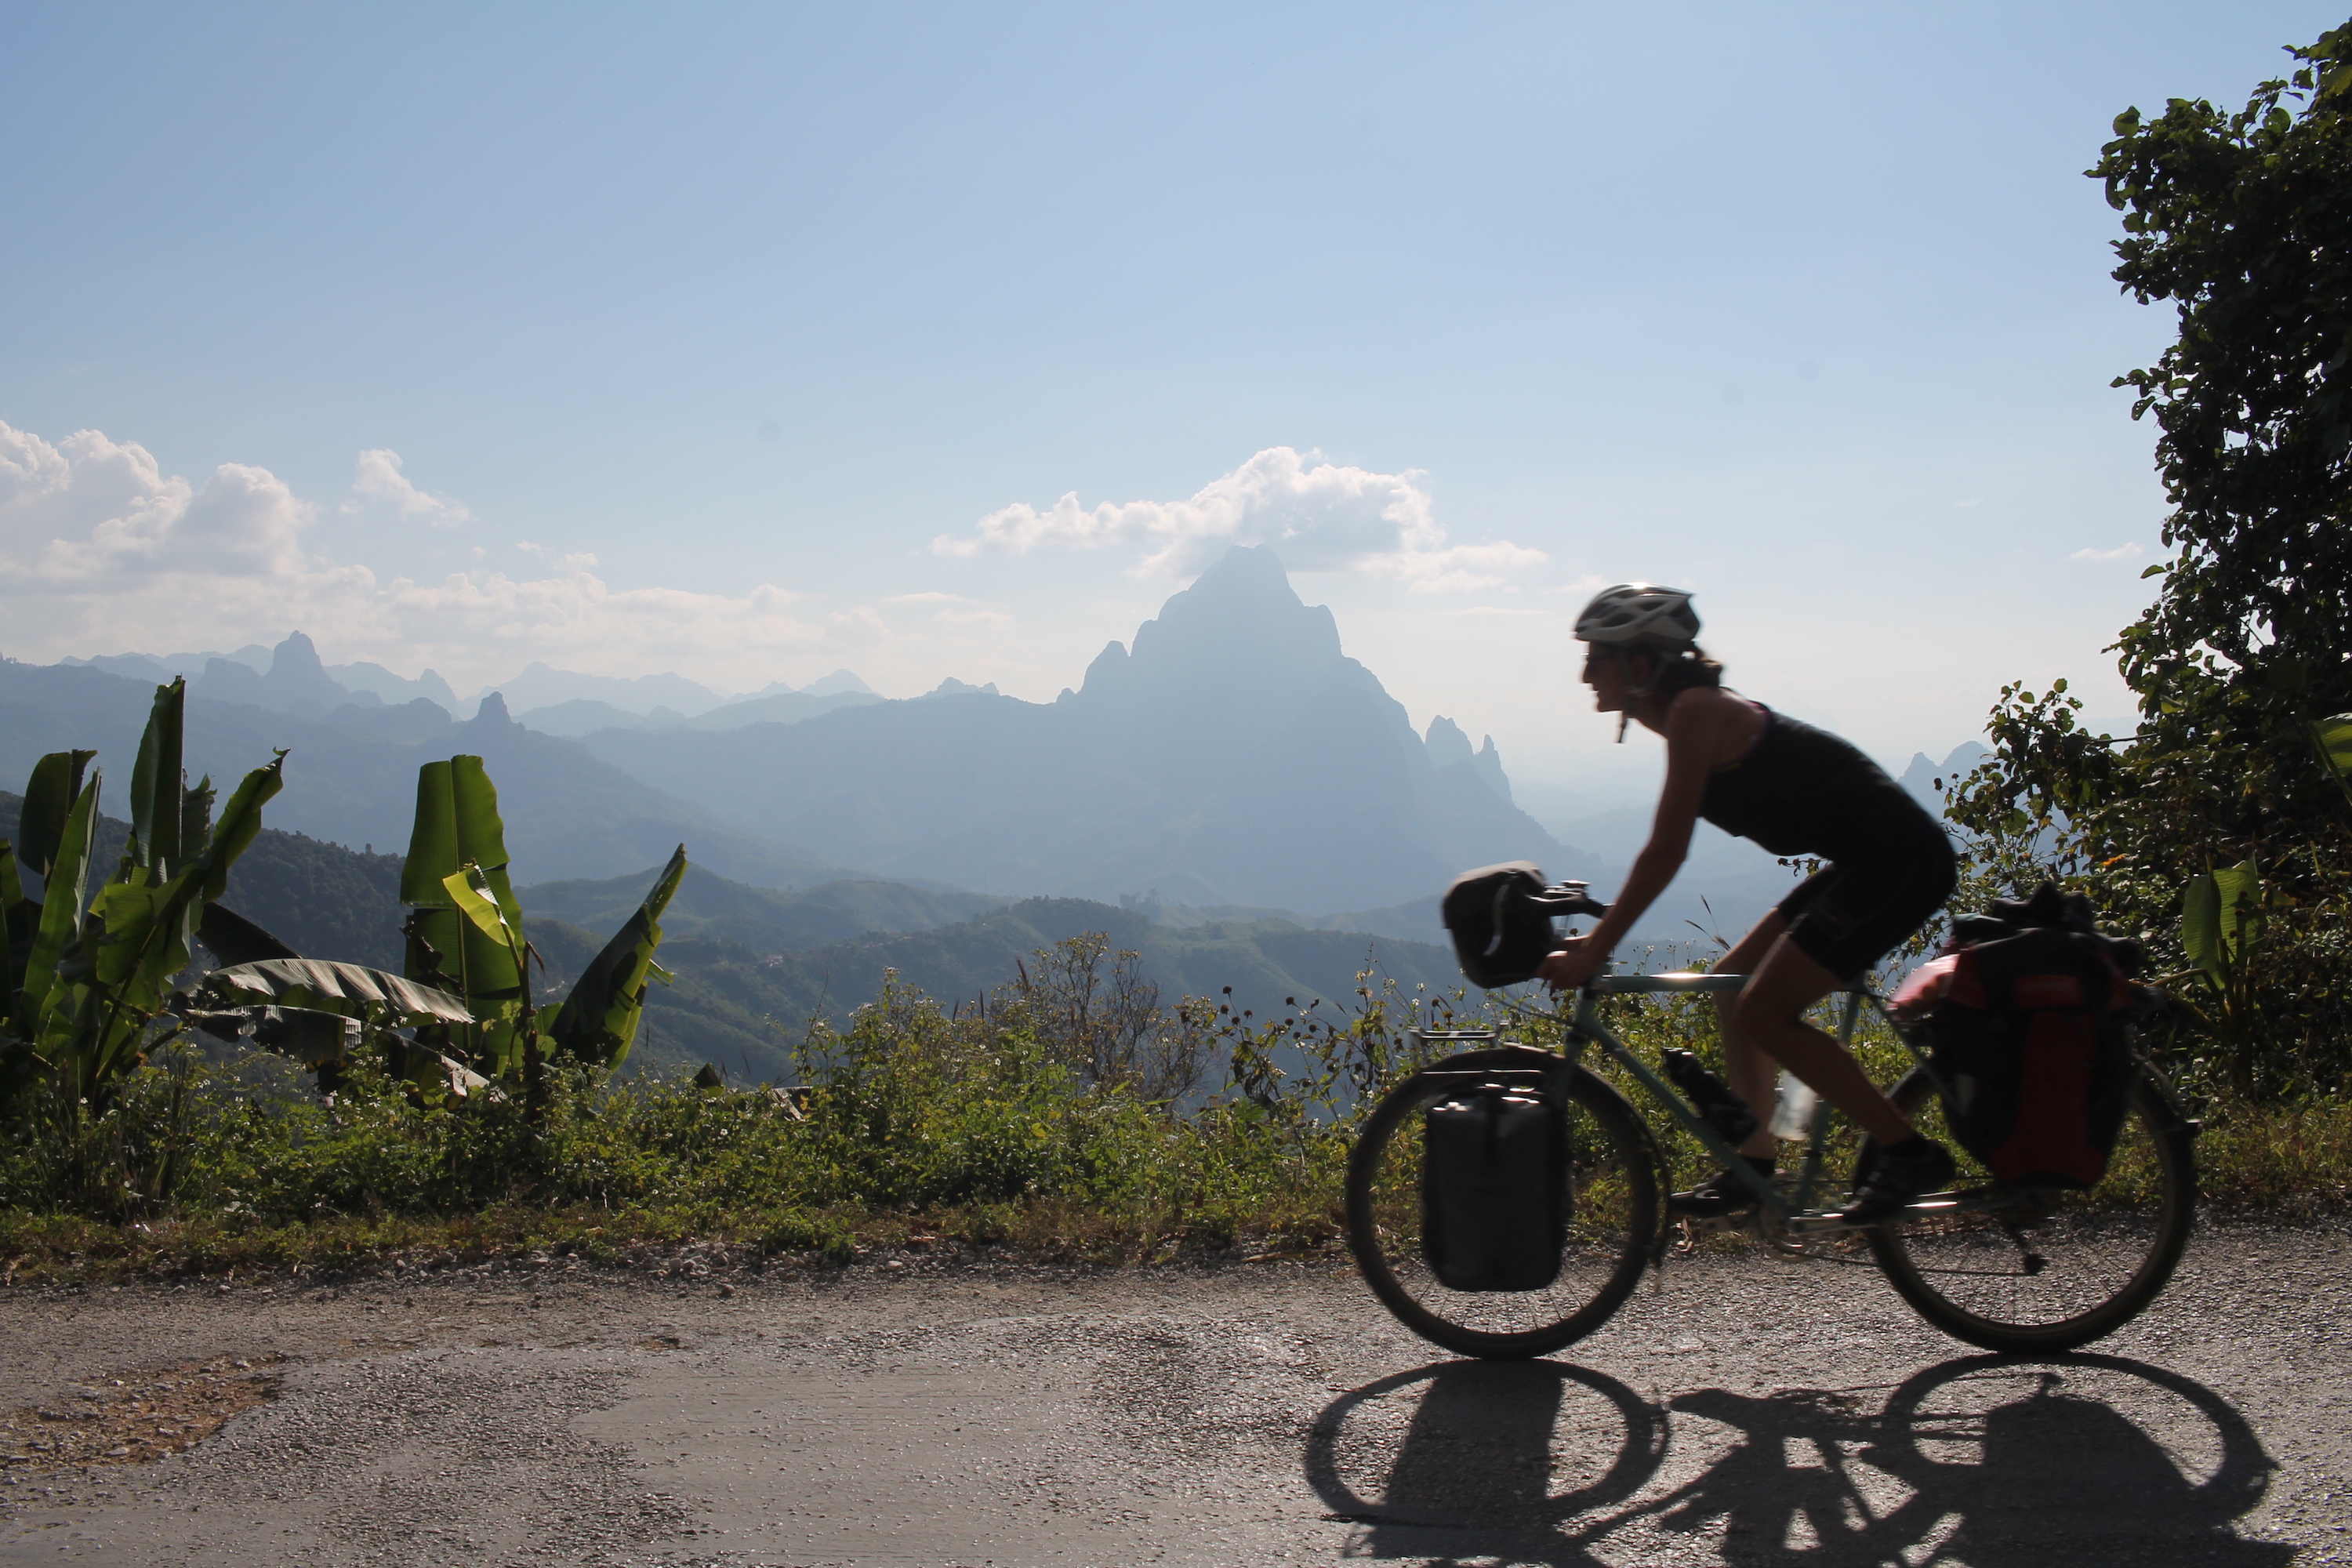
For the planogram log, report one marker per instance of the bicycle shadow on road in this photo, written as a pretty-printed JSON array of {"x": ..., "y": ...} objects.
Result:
[{"x": 1991, "y": 1460}]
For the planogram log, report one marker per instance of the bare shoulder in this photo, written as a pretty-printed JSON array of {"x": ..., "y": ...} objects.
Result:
[{"x": 1719, "y": 724}]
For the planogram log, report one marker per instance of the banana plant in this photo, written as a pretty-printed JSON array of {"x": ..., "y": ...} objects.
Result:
[
  {"x": 458, "y": 835},
  {"x": 465, "y": 934},
  {"x": 2221, "y": 921},
  {"x": 96, "y": 972}
]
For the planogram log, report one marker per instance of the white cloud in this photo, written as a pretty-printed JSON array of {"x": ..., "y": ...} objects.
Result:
[
  {"x": 94, "y": 513},
  {"x": 1322, "y": 516},
  {"x": 378, "y": 477},
  {"x": 100, "y": 550},
  {"x": 2120, "y": 552}
]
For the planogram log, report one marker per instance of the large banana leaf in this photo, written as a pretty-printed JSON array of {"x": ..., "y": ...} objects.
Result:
[
  {"x": 67, "y": 874},
  {"x": 316, "y": 984},
  {"x": 49, "y": 796},
  {"x": 598, "y": 1022},
  {"x": 457, "y": 825},
  {"x": 2334, "y": 737},
  {"x": 2215, "y": 911},
  {"x": 156, "y": 781},
  {"x": 18, "y": 916},
  {"x": 476, "y": 900}
]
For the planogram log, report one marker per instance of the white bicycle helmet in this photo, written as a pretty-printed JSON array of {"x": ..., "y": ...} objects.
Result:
[{"x": 1636, "y": 613}]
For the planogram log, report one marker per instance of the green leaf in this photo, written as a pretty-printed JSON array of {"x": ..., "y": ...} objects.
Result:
[
  {"x": 2334, "y": 738},
  {"x": 49, "y": 796},
  {"x": 348, "y": 989},
  {"x": 68, "y": 883},
  {"x": 126, "y": 915},
  {"x": 2216, "y": 914},
  {"x": 598, "y": 1021},
  {"x": 470, "y": 892},
  {"x": 156, "y": 781},
  {"x": 196, "y": 817},
  {"x": 18, "y": 916},
  {"x": 2240, "y": 889},
  {"x": 457, "y": 825}
]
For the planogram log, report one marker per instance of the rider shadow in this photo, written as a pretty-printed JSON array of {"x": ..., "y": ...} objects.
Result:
[{"x": 1986, "y": 1459}]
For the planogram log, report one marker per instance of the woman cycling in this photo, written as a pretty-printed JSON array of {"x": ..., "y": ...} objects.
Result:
[{"x": 1794, "y": 790}]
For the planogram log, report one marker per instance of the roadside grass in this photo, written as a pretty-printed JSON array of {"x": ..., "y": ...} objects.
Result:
[{"x": 911, "y": 1130}]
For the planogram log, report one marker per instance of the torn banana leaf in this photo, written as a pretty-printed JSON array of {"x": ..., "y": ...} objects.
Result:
[
  {"x": 350, "y": 989},
  {"x": 598, "y": 1022}
]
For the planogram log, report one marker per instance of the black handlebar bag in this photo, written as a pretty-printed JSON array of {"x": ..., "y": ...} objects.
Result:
[{"x": 1500, "y": 919}]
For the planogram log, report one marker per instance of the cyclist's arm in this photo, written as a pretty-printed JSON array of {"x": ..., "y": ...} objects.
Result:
[{"x": 1691, "y": 733}]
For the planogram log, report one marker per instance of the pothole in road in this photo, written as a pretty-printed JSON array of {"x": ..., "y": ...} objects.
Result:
[{"x": 137, "y": 1418}]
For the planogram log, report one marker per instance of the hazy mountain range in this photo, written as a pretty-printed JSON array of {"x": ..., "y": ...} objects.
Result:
[
  {"x": 1230, "y": 764},
  {"x": 1234, "y": 755},
  {"x": 350, "y": 776},
  {"x": 291, "y": 678}
]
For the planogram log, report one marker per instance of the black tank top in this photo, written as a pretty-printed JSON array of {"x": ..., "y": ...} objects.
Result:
[{"x": 1802, "y": 790}]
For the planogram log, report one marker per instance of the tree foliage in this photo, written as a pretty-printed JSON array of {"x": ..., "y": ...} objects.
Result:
[{"x": 2242, "y": 220}]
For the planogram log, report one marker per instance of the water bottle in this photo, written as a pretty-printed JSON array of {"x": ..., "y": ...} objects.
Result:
[{"x": 1792, "y": 1119}]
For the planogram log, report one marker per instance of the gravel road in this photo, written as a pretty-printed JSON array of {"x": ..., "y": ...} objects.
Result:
[{"x": 938, "y": 1412}]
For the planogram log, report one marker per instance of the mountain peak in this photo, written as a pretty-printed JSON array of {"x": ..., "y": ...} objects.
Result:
[
  {"x": 1239, "y": 626},
  {"x": 297, "y": 656}
]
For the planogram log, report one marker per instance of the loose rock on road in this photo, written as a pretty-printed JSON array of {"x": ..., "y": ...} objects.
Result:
[{"x": 936, "y": 1412}]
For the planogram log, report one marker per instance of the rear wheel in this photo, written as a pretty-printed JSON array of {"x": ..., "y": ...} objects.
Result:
[
  {"x": 2057, "y": 1267},
  {"x": 1612, "y": 1225}
]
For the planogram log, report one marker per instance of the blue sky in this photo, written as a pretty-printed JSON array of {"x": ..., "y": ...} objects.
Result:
[{"x": 410, "y": 310}]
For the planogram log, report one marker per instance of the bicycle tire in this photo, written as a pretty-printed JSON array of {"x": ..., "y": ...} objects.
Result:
[
  {"x": 2104, "y": 1253},
  {"x": 1613, "y": 1226}
]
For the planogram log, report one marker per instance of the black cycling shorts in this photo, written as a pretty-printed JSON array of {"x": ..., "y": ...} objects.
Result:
[{"x": 1846, "y": 918}]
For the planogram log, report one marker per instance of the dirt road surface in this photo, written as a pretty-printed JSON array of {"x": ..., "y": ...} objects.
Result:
[{"x": 935, "y": 1413}]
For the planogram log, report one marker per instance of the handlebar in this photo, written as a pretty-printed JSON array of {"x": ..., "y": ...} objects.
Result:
[
  {"x": 1571, "y": 899},
  {"x": 1632, "y": 984}
]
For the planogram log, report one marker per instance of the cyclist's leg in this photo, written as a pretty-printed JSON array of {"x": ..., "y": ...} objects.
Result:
[
  {"x": 1766, "y": 1019},
  {"x": 1753, "y": 1075},
  {"x": 1841, "y": 921}
]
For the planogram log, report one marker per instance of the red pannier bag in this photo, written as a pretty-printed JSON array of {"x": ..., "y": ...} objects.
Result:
[{"x": 2032, "y": 1036}]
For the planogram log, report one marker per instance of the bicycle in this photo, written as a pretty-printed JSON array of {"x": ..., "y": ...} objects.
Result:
[{"x": 2015, "y": 1268}]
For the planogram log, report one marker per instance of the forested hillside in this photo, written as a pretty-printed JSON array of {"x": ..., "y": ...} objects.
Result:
[
  {"x": 322, "y": 899},
  {"x": 742, "y": 1010}
]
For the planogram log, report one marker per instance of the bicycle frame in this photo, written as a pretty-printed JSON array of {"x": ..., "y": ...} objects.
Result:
[{"x": 1795, "y": 1211}]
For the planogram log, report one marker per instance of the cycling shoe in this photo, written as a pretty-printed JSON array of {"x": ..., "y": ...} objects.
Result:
[
  {"x": 1902, "y": 1172},
  {"x": 1721, "y": 1195}
]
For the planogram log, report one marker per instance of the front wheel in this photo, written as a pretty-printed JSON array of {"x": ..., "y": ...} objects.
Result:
[
  {"x": 1612, "y": 1225},
  {"x": 2057, "y": 1268}
]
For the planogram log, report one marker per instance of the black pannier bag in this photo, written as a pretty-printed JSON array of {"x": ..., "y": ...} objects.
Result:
[
  {"x": 1494, "y": 1187},
  {"x": 2031, "y": 1030},
  {"x": 1500, "y": 919}
]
